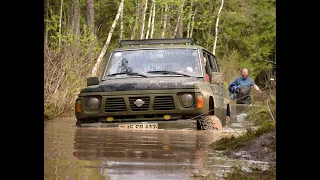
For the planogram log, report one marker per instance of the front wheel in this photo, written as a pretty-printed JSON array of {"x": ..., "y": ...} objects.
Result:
[
  {"x": 228, "y": 119},
  {"x": 210, "y": 123},
  {"x": 78, "y": 123}
]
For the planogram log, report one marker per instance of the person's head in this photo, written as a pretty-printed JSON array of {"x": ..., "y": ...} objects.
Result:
[{"x": 244, "y": 72}]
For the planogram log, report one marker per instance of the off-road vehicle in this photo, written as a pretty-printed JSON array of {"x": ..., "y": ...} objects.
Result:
[{"x": 156, "y": 84}]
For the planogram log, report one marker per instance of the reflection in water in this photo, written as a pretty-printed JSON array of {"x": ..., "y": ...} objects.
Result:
[
  {"x": 97, "y": 153},
  {"x": 142, "y": 154}
]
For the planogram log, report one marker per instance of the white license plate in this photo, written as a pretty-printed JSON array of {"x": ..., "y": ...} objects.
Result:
[{"x": 139, "y": 126}]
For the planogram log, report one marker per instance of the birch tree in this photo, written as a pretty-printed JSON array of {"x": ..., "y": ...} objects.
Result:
[
  {"x": 76, "y": 17},
  {"x": 133, "y": 34},
  {"x": 180, "y": 28},
  {"x": 143, "y": 19},
  {"x": 47, "y": 24},
  {"x": 60, "y": 22},
  {"x": 192, "y": 23},
  {"x": 121, "y": 23},
  {"x": 165, "y": 20},
  {"x": 178, "y": 20},
  {"x": 161, "y": 21},
  {"x": 153, "y": 15},
  {"x": 189, "y": 20},
  {"x": 90, "y": 15},
  {"x": 105, "y": 47},
  {"x": 149, "y": 21},
  {"x": 216, "y": 30}
]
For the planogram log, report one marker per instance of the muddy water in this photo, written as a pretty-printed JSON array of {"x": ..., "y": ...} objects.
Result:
[{"x": 99, "y": 153}]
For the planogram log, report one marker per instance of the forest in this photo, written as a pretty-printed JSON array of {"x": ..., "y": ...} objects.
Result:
[{"x": 80, "y": 34}]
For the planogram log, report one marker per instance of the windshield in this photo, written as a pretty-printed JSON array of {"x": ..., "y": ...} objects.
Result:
[{"x": 184, "y": 61}]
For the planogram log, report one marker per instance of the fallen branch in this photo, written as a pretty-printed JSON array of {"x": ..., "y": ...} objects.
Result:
[{"x": 270, "y": 110}]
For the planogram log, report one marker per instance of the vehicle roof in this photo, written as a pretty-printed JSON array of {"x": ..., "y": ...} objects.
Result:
[{"x": 135, "y": 47}]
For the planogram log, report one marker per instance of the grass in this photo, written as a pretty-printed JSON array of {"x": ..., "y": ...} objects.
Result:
[
  {"x": 235, "y": 143},
  {"x": 258, "y": 115},
  {"x": 256, "y": 174}
]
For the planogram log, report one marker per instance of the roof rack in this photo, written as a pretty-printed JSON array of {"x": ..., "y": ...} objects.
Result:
[{"x": 157, "y": 41}]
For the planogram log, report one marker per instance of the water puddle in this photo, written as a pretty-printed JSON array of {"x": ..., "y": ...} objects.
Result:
[{"x": 98, "y": 153}]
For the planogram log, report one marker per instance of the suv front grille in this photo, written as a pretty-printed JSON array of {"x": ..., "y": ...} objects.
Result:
[
  {"x": 115, "y": 105},
  {"x": 163, "y": 103},
  {"x": 144, "y": 107}
]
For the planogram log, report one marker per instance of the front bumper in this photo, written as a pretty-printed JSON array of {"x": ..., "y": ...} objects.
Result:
[{"x": 177, "y": 124}]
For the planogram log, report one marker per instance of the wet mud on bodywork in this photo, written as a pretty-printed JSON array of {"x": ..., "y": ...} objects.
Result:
[{"x": 140, "y": 83}]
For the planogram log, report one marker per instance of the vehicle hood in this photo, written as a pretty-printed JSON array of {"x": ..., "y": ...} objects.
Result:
[{"x": 154, "y": 83}]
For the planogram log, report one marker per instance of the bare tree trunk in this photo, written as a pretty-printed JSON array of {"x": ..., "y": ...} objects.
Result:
[
  {"x": 178, "y": 20},
  {"x": 76, "y": 17},
  {"x": 153, "y": 15},
  {"x": 161, "y": 20},
  {"x": 133, "y": 34},
  {"x": 121, "y": 23},
  {"x": 180, "y": 28},
  {"x": 143, "y": 19},
  {"x": 190, "y": 14},
  {"x": 60, "y": 22},
  {"x": 169, "y": 28},
  {"x": 216, "y": 34},
  {"x": 90, "y": 15},
  {"x": 105, "y": 47},
  {"x": 47, "y": 24},
  {"x": 149, "y": 21},
  {"x": 192, "y": 22},
  {"x": 165, "y": 20}
]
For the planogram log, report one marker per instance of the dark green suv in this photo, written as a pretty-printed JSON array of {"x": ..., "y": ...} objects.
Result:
[{"x": 156, "y": 84}]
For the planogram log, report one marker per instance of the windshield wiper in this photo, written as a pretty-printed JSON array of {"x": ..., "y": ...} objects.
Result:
[
  {"x": 169, "y": 72},
  {"x": 129, "y": 74}
]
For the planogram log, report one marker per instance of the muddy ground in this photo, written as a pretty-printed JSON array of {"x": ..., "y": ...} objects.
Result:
[{"x": 260, "y": 149}]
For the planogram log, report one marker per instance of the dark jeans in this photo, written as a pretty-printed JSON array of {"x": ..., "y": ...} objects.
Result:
[
  {"x": 243, "y": 99},
  {"x": 241, "y": 107}
]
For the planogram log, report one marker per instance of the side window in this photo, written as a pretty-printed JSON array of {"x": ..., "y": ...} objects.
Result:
[
  {"x": 212, "y": 63},
  {"x": 216, "y": 62},
  {"x": 207, "y": 65}
]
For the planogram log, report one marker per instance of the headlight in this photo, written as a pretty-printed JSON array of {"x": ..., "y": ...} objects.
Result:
[
  {"x": 93, "y": 103},
  {"x": 186, "y": 100}
]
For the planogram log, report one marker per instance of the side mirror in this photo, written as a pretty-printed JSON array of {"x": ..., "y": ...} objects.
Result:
[
  {"x": 216, "y": 78},
  {"x": 91, "y": 81}
]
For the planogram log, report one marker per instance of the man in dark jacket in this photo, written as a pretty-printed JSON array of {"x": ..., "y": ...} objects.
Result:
[{"x": 244, "y": 85}]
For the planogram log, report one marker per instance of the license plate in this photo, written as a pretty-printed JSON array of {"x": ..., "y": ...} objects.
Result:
[{"x": 139, "y": 126}]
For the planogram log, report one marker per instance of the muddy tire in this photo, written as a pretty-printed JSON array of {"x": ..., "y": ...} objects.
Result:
[
  {"x": 228, "y": 119},
  {"x": 210, "y": 123},
  {"x": 78, "y": 123}
]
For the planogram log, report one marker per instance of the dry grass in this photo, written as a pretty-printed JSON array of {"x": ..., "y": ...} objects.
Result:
[{"x": 65, "y": 73}]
